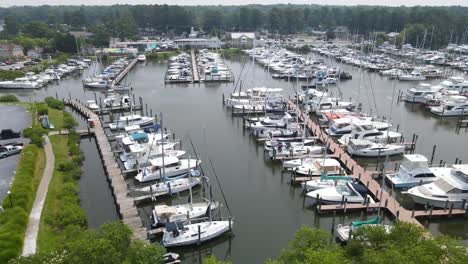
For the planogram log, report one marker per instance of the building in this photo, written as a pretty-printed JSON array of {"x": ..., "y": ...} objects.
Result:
[
  {"x": 198, "y": 43},
  {"x": 242, "y": 39},
  {"x": 140, "y": 44},
  {"x": 341, "y": 32},
  {"x": 10, "y": 50}
]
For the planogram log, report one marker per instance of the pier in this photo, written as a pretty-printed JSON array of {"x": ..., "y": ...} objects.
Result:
[
  {"x": 124, "y": 73},
  {"x": 383, "y": 199},
  {"x": 195, "y": 75},
  {"x": 128, "y": 211}
]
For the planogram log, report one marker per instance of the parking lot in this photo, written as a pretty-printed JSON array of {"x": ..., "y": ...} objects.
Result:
[{"x": 16, "y": 118}]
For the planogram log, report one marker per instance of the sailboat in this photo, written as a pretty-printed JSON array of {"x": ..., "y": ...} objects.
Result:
[{"x": 177, "y": 234}]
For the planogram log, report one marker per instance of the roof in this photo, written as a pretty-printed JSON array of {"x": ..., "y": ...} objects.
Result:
[
  {"x": 237, "y": 35},
  {"x": 10, "y": 46}
]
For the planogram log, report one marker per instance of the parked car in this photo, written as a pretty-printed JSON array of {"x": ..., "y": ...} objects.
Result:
[
  {"x": 8, "y": 62},
  {"x": 13, "y": 68},
  {"x": 9, "y": 133},
  {"x": 3, "y": 64},
  {"x": 9, "y": 150},
  {"x": 29, "y": 63}
]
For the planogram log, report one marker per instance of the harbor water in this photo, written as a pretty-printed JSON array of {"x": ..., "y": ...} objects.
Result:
[{"x": 267, "y": 210}]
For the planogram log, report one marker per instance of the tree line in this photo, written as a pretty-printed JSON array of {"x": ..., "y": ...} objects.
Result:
[{"x": 442, "y": 24}]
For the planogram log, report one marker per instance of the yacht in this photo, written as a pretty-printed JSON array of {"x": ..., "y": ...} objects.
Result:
[
  {"x": 177, "y": 234},
  {"x": 415, "y": 75},
  {"x": 325, "y": 181},
  {"x": 414, "y": 170},
  {"x": 352, "y": 192},
  {"x": 275, "y": 144},
  {"x": 367, "y": 132},
  {"x": 163, "y": 214},
  {"x": 455, "y": 105},
  {"x": 20, "y": 84},
  {"x": 170, "y": 187},
  {"x": 315, "y": 166},
  {"x": 295, "y": 151},
  {"x": 345, "y": 125},
  {"x": 419, "y": 93},
  {"x": 455, "y": 83},
  {"x": 131, "y": 120},
  {"x": 450, "y": 188},
  {"x": 367, "y": 148},
  {"x": 271, "y": 122},
  {"x": 168, "y": 167}
]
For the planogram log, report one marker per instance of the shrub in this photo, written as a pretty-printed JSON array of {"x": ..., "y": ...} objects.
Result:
[
  {"x": 42, "y": 109},
  {"x": 12, "y": 227},
  {"x": 54, "y": 103},
  {"x": 9, "y": 98},
  {"x": 68, "y": 121},
  {"x": 35, "y": 135},
  {"x": 8, "y": 75}
]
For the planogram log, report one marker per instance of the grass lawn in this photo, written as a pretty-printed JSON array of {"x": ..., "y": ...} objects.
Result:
[
  {"x": 13, "y": 221},
  {"x": 56, "y": 118}
]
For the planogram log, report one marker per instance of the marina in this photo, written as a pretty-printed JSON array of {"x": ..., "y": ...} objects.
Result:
[{"x": 244, "y": 167}]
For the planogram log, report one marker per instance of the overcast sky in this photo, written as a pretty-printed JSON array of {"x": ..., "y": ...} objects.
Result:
[{"x": 6, "y": 3}]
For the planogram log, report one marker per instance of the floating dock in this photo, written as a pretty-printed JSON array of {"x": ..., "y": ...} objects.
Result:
[
  {"x": 383, "y": 199},
  {"x": 128, "y": 211}
]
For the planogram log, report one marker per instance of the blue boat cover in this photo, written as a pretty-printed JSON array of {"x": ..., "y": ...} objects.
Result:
[{"x": 139, "y": 136}]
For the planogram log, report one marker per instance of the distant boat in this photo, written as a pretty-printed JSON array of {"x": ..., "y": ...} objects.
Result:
[{"x": 141, "y": 57}]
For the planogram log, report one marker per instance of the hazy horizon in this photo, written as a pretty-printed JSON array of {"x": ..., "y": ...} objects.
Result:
[{"x": 9, "y": 3}]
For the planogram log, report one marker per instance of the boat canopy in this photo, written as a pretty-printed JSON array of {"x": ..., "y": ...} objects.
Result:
[
  {"x": 367, "y": 222},
  {"x": 139, "y": 136}
]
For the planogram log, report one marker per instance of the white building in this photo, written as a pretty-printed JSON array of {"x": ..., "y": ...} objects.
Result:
[{"x": 198, "y": 43}]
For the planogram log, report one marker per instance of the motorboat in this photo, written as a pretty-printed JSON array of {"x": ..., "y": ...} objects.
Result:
[
  {"x": 91, "y": 104},
  {"x": 132, "y": 120},
  {"x": 419, "y": 93},
  {"x": 367, "y": 148},
  {"x": 275, "y": 144},
  {"x": 455, "y": 83},
  {"x": 370, "y": 133},
  {"x": 315, "y": 166},
  {"x": 325, "y": 181},
  {"x": 294, "y": 151},
  {"x": 415, "y": 75},
  {"x": 351, "y": 192},
  {"x": 20, "y": 84},
  {"x": 414, "y": 170},
  {"x": 114, "y": 102},
  {"x": 455, "y": 105},
  {"x": 346, "y": 125},
  {"x": 177, "y": 234},
  {"x": 271, "y": 122},
  {"x": 102, "y": 84},
  {"x": 141, "y": 57},
  {"x": 166, "y": 167},
  {"x": 163, "y": 214},
  {"x": 345, "y": 232},
  {"x": 450, "y": 188}
]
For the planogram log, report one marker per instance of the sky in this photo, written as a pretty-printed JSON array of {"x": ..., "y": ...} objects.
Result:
[{"x": 7, "y": 3}]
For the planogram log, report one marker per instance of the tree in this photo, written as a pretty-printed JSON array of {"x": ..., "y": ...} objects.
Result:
[
  {"x": 213, "y": 260},
  {"x": 101, "y": 36},
  {"x": 330, "y": 34},
  {"x": 64, "y": 43},
  {"x": 37, "y": 29},
  {"x": 11, "y": 25}
]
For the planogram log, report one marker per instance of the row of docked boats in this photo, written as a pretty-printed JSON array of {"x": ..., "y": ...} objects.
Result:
[
  {"x": 446, "y": 99},
  {"x": 163, "y": 170},
  {"x": 104, "y": 78},
  {"x": 33, "y": 81},
  {"x": 284, "y": 64},
  {"x": 212, "y": 67},
  {"x": 179, "y": 69}
]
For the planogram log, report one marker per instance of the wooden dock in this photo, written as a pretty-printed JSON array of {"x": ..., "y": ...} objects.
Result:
[
  {"x": 125, "y": 204},
  {"x": 365, "y": 177},
  {"x": 195, "y": 75},
  {"x": 124, "y": 73}
]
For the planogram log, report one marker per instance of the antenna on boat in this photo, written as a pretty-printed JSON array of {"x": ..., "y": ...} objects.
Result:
[
  {"x": 190, "y": 183},
  {"x": 220, "y": 188}
]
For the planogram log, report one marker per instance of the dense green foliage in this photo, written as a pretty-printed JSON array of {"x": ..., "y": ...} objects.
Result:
[
  {"x": 161, "y": 55},
  {"x": 407, "y": 243},
  {"x": 6, "y": 75},
  {"x": 54, "y": 103},
  {"x": 123, "y": 20},
  {"x": 14, "y": 220},
  {"x": 112, "y": 244},
  {"x": 213, "y": 260},
  {"x": 8, "y": 98}
]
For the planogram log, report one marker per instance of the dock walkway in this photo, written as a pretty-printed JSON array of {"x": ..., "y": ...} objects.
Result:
[
  {"x": 195, "y": 75},
  {"x": 125, "y": 204},
  {"x": 124, "y": 73},
  {"x": 379, "y": 194}
]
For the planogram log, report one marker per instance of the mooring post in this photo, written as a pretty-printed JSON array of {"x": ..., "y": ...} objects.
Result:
[
  {"x": 433, "y": 153},
  {"x": 450, "y": 210},
  {"x": 345, "y": 204},
  {"x": 430, "y": 211},
  {"x": 446, "y": 205},
  {"x": 412, "y": 213},
  {"x": 333, "y": 222},
  {"x": 199, "y": 235}
]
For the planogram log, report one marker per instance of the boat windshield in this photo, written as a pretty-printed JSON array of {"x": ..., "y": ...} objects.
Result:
[
  {"x": 461, "y": 176},
  {"x": 344, "y": 190}
]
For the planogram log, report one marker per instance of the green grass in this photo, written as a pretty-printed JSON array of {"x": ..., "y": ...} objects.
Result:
[
  {"x": 56, "y": 118},
  {"x": 13, "y": 221},
  {"x": 61, "y": 208}
]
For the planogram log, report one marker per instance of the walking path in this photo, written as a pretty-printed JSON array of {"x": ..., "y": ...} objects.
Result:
[{"x": 29, "y": 247}]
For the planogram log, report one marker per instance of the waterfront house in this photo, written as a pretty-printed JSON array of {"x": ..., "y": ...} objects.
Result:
[
  {"x": 10, "y": 50},
  {"x": 241, "y": 39}
]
